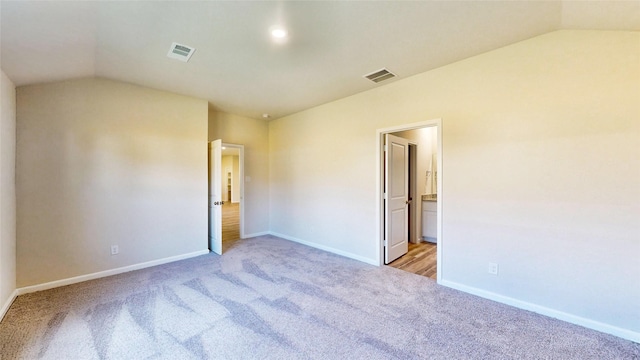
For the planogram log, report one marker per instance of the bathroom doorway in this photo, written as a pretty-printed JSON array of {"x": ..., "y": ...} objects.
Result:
[
  {"x": 232, "y": 194},
  {"x": 423, "y": 205}
]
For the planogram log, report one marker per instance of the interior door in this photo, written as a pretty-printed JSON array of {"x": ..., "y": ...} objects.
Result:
[
  {"x": 396, "y": 214},
  {"x": 215, "y": 196}
]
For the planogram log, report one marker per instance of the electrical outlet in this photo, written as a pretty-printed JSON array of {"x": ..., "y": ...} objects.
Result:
[
  {"x": 493, "y": 268},
  {"x": 114, "y": 250}
]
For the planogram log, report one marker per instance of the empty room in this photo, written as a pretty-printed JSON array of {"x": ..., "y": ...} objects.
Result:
[{"x": 320, "y": 179}]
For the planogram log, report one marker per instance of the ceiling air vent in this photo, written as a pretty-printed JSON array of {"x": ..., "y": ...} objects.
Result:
[
  {"x": 180, "y": 52},
  {"x": 380, "y": 75}
]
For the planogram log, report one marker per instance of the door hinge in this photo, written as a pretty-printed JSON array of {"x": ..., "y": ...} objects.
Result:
[
  {"x": 385, "y": 147},
  {"x": 384, "y": 242},
  {"x": 384, "y": 196}
]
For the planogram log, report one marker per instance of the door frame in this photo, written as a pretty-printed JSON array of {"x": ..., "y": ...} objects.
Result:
[
  {"x": 240, "y": 183},
  {"x": 413, "y": 193},
  {"x": 380, "y": 187}
]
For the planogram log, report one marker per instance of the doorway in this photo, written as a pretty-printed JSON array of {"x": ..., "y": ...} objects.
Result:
[
  {"x": 423, "y": 201},
  {"x": 231, "y": 205},
  {"x": 226, "y": 193}
]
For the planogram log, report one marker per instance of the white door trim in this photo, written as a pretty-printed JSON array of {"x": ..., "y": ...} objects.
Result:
[
  {"x": 379, "y": 242},
  {"x": 413, "y": 193}
]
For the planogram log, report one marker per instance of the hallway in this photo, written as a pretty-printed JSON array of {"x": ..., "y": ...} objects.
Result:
[{"x": 230, "y": 224}]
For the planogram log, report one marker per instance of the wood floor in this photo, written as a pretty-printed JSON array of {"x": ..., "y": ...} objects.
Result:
[
  {"x": 230, "y": 224},
  {"x": 421, "y": 260}
]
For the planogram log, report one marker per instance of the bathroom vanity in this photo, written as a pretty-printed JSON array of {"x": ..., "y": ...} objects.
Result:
[{"x": 430, "y": 218}]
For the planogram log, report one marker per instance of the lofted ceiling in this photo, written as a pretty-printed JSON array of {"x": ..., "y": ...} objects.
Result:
[{"x": 239, "y": 69}]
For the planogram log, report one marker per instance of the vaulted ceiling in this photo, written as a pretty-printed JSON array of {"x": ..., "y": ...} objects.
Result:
[{"x": 240, "y": 69}]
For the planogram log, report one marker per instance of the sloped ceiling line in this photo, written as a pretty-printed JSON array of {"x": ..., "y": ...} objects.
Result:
[{"x": 237, "y": 67}]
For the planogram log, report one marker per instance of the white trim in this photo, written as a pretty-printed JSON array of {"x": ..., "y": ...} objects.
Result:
[
  {"x": 261, "y": 233},
  {"x": 573, "y": 319},
  {"x": 327, "y": 248},
  {"x": 440, "y": 182},
  {"x": 8, "y": 303},
  {"x": 101, "y": 274}
]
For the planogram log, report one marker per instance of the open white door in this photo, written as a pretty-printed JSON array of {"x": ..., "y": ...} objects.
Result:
[
  {"x": 396, "y": 214},
  {"x": 215, "y": 196}
]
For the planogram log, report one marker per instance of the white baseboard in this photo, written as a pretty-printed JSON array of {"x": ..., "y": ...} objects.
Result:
[
  {"x": 327, "y": 248},
  {"x": 262, "y": 233},
  {"x": 7, "y": 304},
  {"x": 101, "y": 274},
  {"x": 577, "y": 320}
]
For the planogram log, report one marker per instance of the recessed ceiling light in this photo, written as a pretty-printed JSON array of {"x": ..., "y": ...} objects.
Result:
[
  {"x": 278, "y": 32},
  {"x": 266, "y": 116},
  {"x": 224, "y": 148}
]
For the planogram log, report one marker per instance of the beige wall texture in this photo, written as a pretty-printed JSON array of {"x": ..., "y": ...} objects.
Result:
[
  {"x": 235, "y": 179},
  {"x": 103, "y": 163},
  {"x": 254, "y": 135},
  {"x": 226, "y": 166},
  {"x": 231, "y": 164},
  {"x": 427, "y": 140},
  {"x": 7, "y": 190},
  {"x": 541, "y": 172}
]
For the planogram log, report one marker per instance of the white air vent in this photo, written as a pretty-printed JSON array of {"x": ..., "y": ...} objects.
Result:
[
  {"x": 380, "y": 75},
  {"x": 180, "y": 52}
]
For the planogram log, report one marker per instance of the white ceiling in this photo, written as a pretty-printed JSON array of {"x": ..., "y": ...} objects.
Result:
[{"x": 236, "y": 66}]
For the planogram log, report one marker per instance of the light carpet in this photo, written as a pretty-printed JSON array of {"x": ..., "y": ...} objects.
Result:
[{"x": 268, "y": 298}]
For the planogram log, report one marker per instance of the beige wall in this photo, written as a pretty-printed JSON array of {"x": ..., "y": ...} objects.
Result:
[
  {"x": 254, "y": 135},
  {"x": 426, "y": 139},
  {"x": 235, "y": 179},
  {"x": 99, "y": 163},
  {"x": 7, "y": 191},
  {"x": 226, "y": 166},
  {"x": 541, "y": 172},
  {"x": 231, "y": 164}
]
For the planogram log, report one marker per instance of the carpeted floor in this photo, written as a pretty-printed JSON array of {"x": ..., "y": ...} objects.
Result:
[{"x": 268, "y": 298}]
